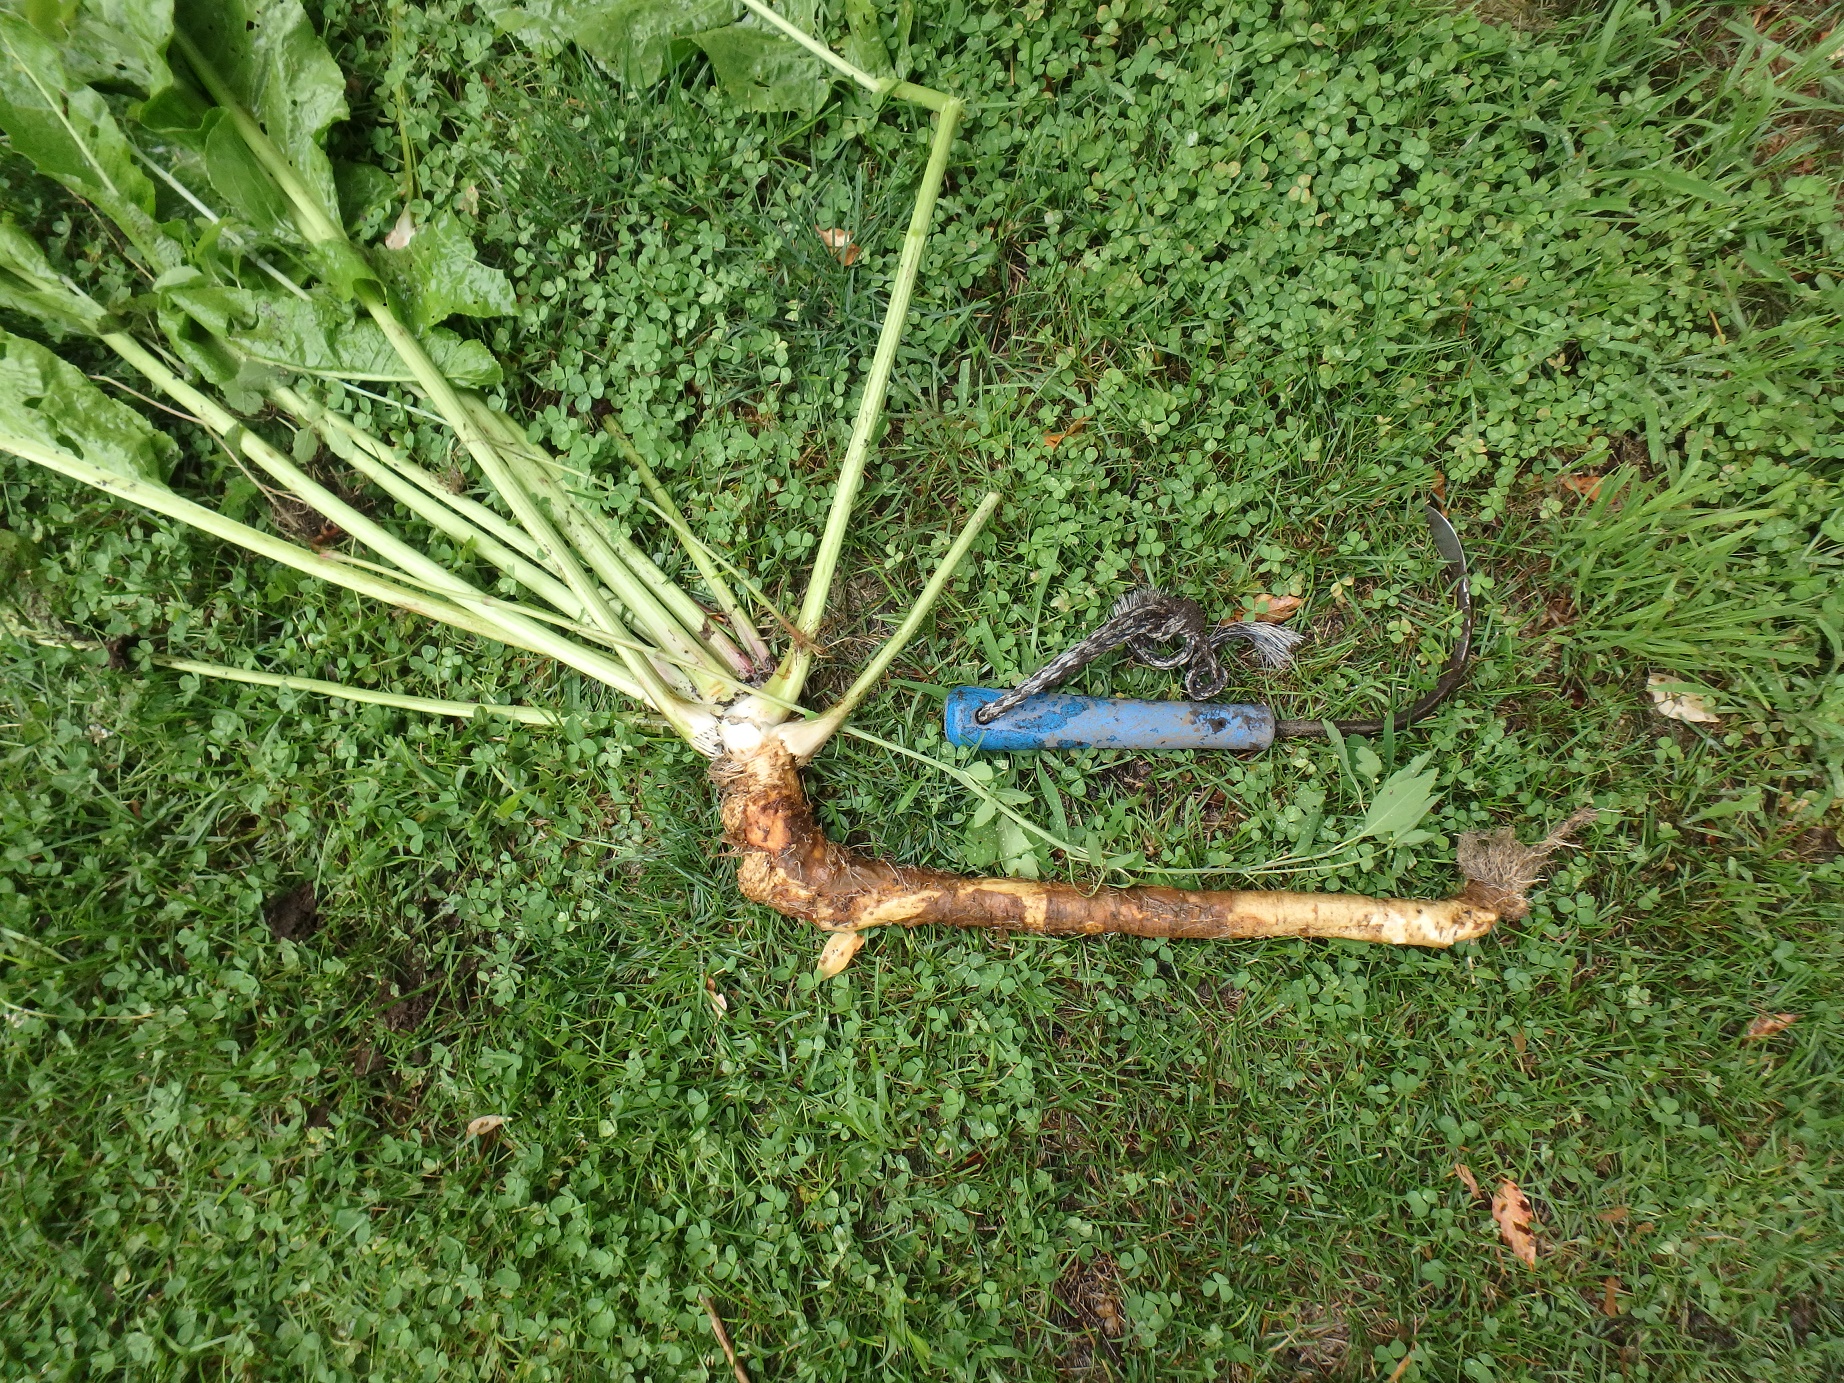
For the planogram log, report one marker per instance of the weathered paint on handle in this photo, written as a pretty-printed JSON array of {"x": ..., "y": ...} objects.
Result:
[{"x": 1058, "y": 721}]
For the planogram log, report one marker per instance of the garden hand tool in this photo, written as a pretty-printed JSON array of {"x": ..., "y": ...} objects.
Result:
[{"x": 1167, "y": 631}]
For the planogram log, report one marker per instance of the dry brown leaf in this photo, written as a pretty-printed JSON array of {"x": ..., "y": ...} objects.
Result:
[
  {"x": 486, "y": 1123},
  {"x": 1587, "y": 486},
  {"x": 401, "y": 233},
  {"x": 1768, "y": 1025},
  {"x": 1512, "y": 1211},
  {"x": 1468, "y": 1180},
  {"x": 718, "y": 1001},
  {"x": 1613, "y": 1217},
  {"x": 1274, "y": 609},
  {"x": 840, "y": 243},
  {"x": 839, "y": 950},
  {"x": 1692, "y": 707},
  {"x": 1075, "y": 429},
  {"x": 1610, "y": 1297}
]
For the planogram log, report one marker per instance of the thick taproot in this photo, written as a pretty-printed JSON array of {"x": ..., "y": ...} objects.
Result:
[{"x": 788, "y": 863}]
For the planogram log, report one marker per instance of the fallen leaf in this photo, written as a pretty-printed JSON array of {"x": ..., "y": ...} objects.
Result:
[
  {"x": 1468, "y": 1180},
  {"x": 1512, "y": 1211},
  {"x": 838, "y": 953},
  {"x": 401, "y": 233},
  {"x": 470, "y": 200},
  {"x": 718, "y": 1001},
  {"x": 1055, "y": 439},
  {"x": 1768, "y": 1024},
  {"x": 1610, "y": 1297},
  {"x": 1613, "y": 1217},
  {"x": 1274, "y": 609},
  {"x": 1693, "y": 707},
  {"x": 1587, "y": 486},
  {"x": 486, "y": 1123},
  {"x": 840, "y": 243}
]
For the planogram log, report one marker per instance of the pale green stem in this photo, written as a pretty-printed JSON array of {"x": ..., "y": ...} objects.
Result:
[
  {"x": 643, "y": 592},
  {"x": 501, "y": 624},
  {"x": 472, "y": 510},
  {"x": 699, "y": 554},
  {"x": 743, "y": 578},
  {"x": 690, "y": 616},
  {"x": 466, "y": 710},
  {"x": 221, "y": 421},
  {"x": 428, "y": 507},
  {"x": 805, "y": 740},
  {"x": 819, "y": 50},
  {"x": 792, "y": 675},
  {"x": 163, "y": 501},
  {"x": 730, "y": 686},
  {"x": 322, "y": 230}
]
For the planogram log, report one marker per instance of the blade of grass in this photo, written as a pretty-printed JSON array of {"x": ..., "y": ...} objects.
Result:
[{"x": 792, "y": 675}]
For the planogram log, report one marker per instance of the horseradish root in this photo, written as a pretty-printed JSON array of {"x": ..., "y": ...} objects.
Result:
[{"x": 787, "y": 863}]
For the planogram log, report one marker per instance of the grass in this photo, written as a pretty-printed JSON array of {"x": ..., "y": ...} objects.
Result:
[{"x": 1581, "y": 243}]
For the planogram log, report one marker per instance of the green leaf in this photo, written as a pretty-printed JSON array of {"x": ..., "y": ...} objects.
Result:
[
  {"x": 765, "y": 71},
  {"x": 279, "y": 70},
  {"x": 249, "y": 334},
  {"x": 62, "y": 125},
  {"x": 240, "y": 180},
  {"x": 116, "y": 44},
  {"x": 864, "y": 45},
  {"x": 634, "y": 37},
  {"x": 436, "y": 275},
  {"x": 1682, "y": 183},
  {"x": 32, "y": 288},
  {"x": 49, "y": 402},
  {"x": 761, "y": 68},
  {"x": 1401, "y": 803}
]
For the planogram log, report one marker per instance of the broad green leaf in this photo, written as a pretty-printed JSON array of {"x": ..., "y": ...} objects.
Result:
[
  {"x": 32, "y": 288},
  {"x": 436, "y": 275},
  {"x": 758, "y": 66},
  {"x": 864, "y": 45},
  {"x": 254, "y": 334},
  {"x": 634, "y": 38},
  {"x": 1401, "y": 802},
  {"x": 243, "y": 185},
  {"x": 275, "y": 63},
  {"x": 62, "y": 125},
  {"x": 546, "y": 25},
  {"x": 119, "y": 45},
  {"x": 765, "y": 71},
  {"x": 47, "y": 401}
]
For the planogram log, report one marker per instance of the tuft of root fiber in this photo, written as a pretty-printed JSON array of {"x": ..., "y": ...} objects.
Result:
[{"x": 1501, "y": 870}]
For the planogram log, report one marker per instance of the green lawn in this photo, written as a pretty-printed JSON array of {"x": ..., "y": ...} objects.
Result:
[{"x": 1275, "y": 272}]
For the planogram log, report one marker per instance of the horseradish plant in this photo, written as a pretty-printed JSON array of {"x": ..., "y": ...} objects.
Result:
[{"x": 257, "y": 302}]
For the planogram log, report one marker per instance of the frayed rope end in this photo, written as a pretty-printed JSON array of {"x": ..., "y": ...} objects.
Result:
[{"x": 1500, "y": 870}]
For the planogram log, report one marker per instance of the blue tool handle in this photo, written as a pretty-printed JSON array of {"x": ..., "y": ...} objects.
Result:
[{"x": 1056, "y": 721}]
